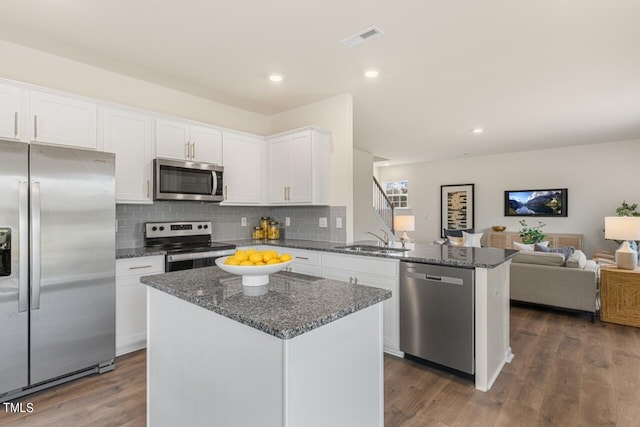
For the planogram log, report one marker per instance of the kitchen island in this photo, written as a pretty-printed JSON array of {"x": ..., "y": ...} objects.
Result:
[{"x": 307, "y": 352}]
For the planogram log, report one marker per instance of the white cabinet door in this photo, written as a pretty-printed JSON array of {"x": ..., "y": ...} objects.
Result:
[
  {"x": 206, "y": 144},
  {"x": 172, "y": 139},
  {"x": 63, "y": 120},
  {"x": 279, "y": 170},
  {"x": 301, "y": 169},
  {"x": 242, "y": 168},
  {"x": 128, "y": 135},
  {"x": 131, "y": 301},
  {"x": 10, "y": 109}
]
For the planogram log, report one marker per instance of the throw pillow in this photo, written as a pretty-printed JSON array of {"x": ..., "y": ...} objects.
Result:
[
  {"x": 472, "y": 239},
  {"x": 453, "y": 232},
  {"x": 529, "y": 247}
]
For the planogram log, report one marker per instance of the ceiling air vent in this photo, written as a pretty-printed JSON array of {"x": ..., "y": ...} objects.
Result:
[{"x": 362, "y": 36}]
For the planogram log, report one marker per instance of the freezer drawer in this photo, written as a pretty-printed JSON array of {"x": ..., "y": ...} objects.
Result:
[{"x": 437, "y": 314}]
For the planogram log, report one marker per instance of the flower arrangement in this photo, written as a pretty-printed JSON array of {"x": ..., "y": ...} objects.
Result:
[{"x": 531, "y": 234}]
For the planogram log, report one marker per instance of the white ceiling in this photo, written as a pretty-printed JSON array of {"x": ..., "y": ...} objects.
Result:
[{"x": 533, "y": 74}]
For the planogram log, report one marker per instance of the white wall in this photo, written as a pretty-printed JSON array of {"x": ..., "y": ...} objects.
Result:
[
  {"x": 364, "y": 217},
  {"x": 336, "y": 115},
  {"x": 42, "y": 69},
  {"x": 598, "y": 176}
]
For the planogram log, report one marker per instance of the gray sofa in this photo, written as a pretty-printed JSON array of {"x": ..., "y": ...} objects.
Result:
[{"x": 547, "y": 279}]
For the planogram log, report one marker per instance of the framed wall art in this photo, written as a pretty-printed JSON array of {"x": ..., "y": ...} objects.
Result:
[
  {"x": 456, "y": 207},
  {"x": 545, "y": 202}
]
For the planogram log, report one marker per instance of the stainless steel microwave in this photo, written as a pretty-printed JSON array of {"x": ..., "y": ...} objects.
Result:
[{"x": 184, "y": 180}]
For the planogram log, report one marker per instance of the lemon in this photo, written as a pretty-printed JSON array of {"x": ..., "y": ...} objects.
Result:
[
  {"x": 267, "y": 255},
  {"x": 255, "y": 257},
  {"x": 241, "y": 255},
  {"x": 250, "y": 251},
  {"x": 259, "y": 263},
  {"x": 285, "y": 257},
  {"x": 246, "y": 262},
  {"x": 273, "y": 261}
]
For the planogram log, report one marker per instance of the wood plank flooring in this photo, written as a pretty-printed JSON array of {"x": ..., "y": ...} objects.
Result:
[{"x": 567, "y": 371}]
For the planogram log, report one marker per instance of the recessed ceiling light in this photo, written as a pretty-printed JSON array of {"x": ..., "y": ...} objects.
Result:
[
  {"x": 386, "y": 164},
  {"x": 275, "y": 77},
  {"x": 478, "y": 131},
  {"x": 371, "y": 74}
]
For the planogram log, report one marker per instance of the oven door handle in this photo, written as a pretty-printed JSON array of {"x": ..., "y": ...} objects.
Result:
[{"x": 199, "y": 255}]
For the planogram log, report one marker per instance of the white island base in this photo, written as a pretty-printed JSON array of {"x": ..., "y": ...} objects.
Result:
[{"x": 204, "y": 369}]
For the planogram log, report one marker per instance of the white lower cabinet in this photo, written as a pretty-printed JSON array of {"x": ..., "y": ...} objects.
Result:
[
  {"x": 131, "y": 301},
  {"x": 304, "y": 262},
  {"x": 373, "y": 271}
]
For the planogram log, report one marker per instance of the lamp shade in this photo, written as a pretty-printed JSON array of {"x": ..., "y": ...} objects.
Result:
[
  {"x": 404, "y": 222},
  {"x": 622, "y": 228}
]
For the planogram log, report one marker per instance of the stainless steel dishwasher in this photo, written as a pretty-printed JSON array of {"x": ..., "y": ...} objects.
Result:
[{"x": 437, "y": 314}]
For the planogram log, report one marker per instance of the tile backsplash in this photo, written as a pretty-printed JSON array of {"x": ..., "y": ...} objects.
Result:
[{"x": 226, "y": 220}]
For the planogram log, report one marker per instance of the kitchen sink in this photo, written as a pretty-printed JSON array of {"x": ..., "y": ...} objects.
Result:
[{"x": 373, "y": 249}]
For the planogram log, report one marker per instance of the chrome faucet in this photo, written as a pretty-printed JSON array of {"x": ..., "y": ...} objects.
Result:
[{"x": 384, "y": 240}]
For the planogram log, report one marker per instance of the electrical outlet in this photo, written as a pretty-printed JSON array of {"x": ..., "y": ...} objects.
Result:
[
  {"x": 243, "y": 222},
  {"x": 287, "y": 221},
  {"x": 338, "y": 222},
  {"x": 322, "y": 222}
]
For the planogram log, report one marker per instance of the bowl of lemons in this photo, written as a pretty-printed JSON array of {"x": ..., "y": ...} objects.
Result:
[{"x": 254, "y": 266}]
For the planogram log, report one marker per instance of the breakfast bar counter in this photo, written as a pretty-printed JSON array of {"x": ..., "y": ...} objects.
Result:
[{"x": 308, "y": 351}]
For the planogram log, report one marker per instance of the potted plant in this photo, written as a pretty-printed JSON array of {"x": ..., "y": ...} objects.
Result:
[
  {"x": 627, "y": 210},
  {"x": 531, "y": 234}
]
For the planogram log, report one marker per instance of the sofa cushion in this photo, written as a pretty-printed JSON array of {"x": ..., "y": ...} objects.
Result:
[
  {"x": 471, "y": 239},
  {"x": 577, "y": 260},
  {"x": 540, "y": 258}
]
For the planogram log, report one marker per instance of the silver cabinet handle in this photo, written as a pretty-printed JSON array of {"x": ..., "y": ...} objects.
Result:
[
  {"x": 193, "y": 154},
  {"x": 15, "y": 124},
  {"x": 302, "y": 257},
  {"x": 35, "y": 246},
  {"x": 187, "y": 150},
  {"x": 35, "y": 126},
  {"x": 350, "y": 280},
  {"x": 138, "y": 267},
  {"x": 23, "y": 209},
  {"x": 285, "y": 192},
  {"x": 148, "y": 189},
  {"x": 355, "y": 281}
]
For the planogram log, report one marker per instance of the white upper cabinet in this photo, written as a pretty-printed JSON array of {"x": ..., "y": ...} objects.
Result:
[
  {"x": 299, "y": 167},
  {"x": 10, "y": 112},
  {"x": 182, "y": 141},
  {"x": 243, "y": 168},
  {"x": 62, "y": 120},
  {"x": 129, "y": 135}
]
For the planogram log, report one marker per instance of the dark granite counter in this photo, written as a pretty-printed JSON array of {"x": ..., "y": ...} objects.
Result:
[
  {"x": 454, "y": 256},
  {"x": 137, "y": 252},
  {"x": 292, "y": 305}
]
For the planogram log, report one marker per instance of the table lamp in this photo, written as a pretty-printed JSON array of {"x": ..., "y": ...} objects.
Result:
[
  {"x": 404, "y": 223},
  {"x": 623, "y": 228}
]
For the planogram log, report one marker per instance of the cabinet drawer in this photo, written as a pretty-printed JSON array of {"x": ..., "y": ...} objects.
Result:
[
  {"x": 140, "y": 266},
  {"x": 356, "y": 263},
  {"x": 300, "y": 256}
]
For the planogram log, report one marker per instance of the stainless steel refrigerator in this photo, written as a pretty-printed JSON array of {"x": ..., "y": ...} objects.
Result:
[{"x": 57, "y": 265}]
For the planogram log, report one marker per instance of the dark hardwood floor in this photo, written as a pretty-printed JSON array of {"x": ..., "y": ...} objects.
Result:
[{"x": 567, "y": 371}]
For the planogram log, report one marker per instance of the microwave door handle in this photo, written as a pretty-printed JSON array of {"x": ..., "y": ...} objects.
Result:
[{"x": 215, "y": 183}]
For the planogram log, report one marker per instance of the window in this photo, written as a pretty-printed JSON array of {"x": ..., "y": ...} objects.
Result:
[{"x": 397, "y": 192}]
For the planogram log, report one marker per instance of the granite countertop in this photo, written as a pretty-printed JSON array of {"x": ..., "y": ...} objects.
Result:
[
  {"x": 292, "y": 305},
  {"x": 454, "y": 256}
]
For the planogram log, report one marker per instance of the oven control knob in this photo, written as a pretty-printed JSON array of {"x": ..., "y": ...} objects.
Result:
[
  {"x": 154, "y": 228},
  {"x": 206, "y": 226},
  {"x": 162, "y": 228},
  {"x": 200, "y": 227}
]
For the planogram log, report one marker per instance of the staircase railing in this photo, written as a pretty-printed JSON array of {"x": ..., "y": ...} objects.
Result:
[{"x": 382, "y": 205}]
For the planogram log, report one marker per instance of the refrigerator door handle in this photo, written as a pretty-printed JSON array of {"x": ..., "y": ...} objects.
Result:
[
  {"x": 23, "y": 229},
  {"x": 35, "y": 246}
]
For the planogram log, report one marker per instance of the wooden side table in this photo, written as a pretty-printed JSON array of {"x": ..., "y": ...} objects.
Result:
[{"x": 620, "y": 296}]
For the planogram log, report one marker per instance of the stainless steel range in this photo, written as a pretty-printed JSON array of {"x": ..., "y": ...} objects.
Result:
[{"x": 187, "y": 243}]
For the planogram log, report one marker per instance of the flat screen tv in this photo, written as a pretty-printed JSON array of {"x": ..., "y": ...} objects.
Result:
[{"x": 535, "y": 202}]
